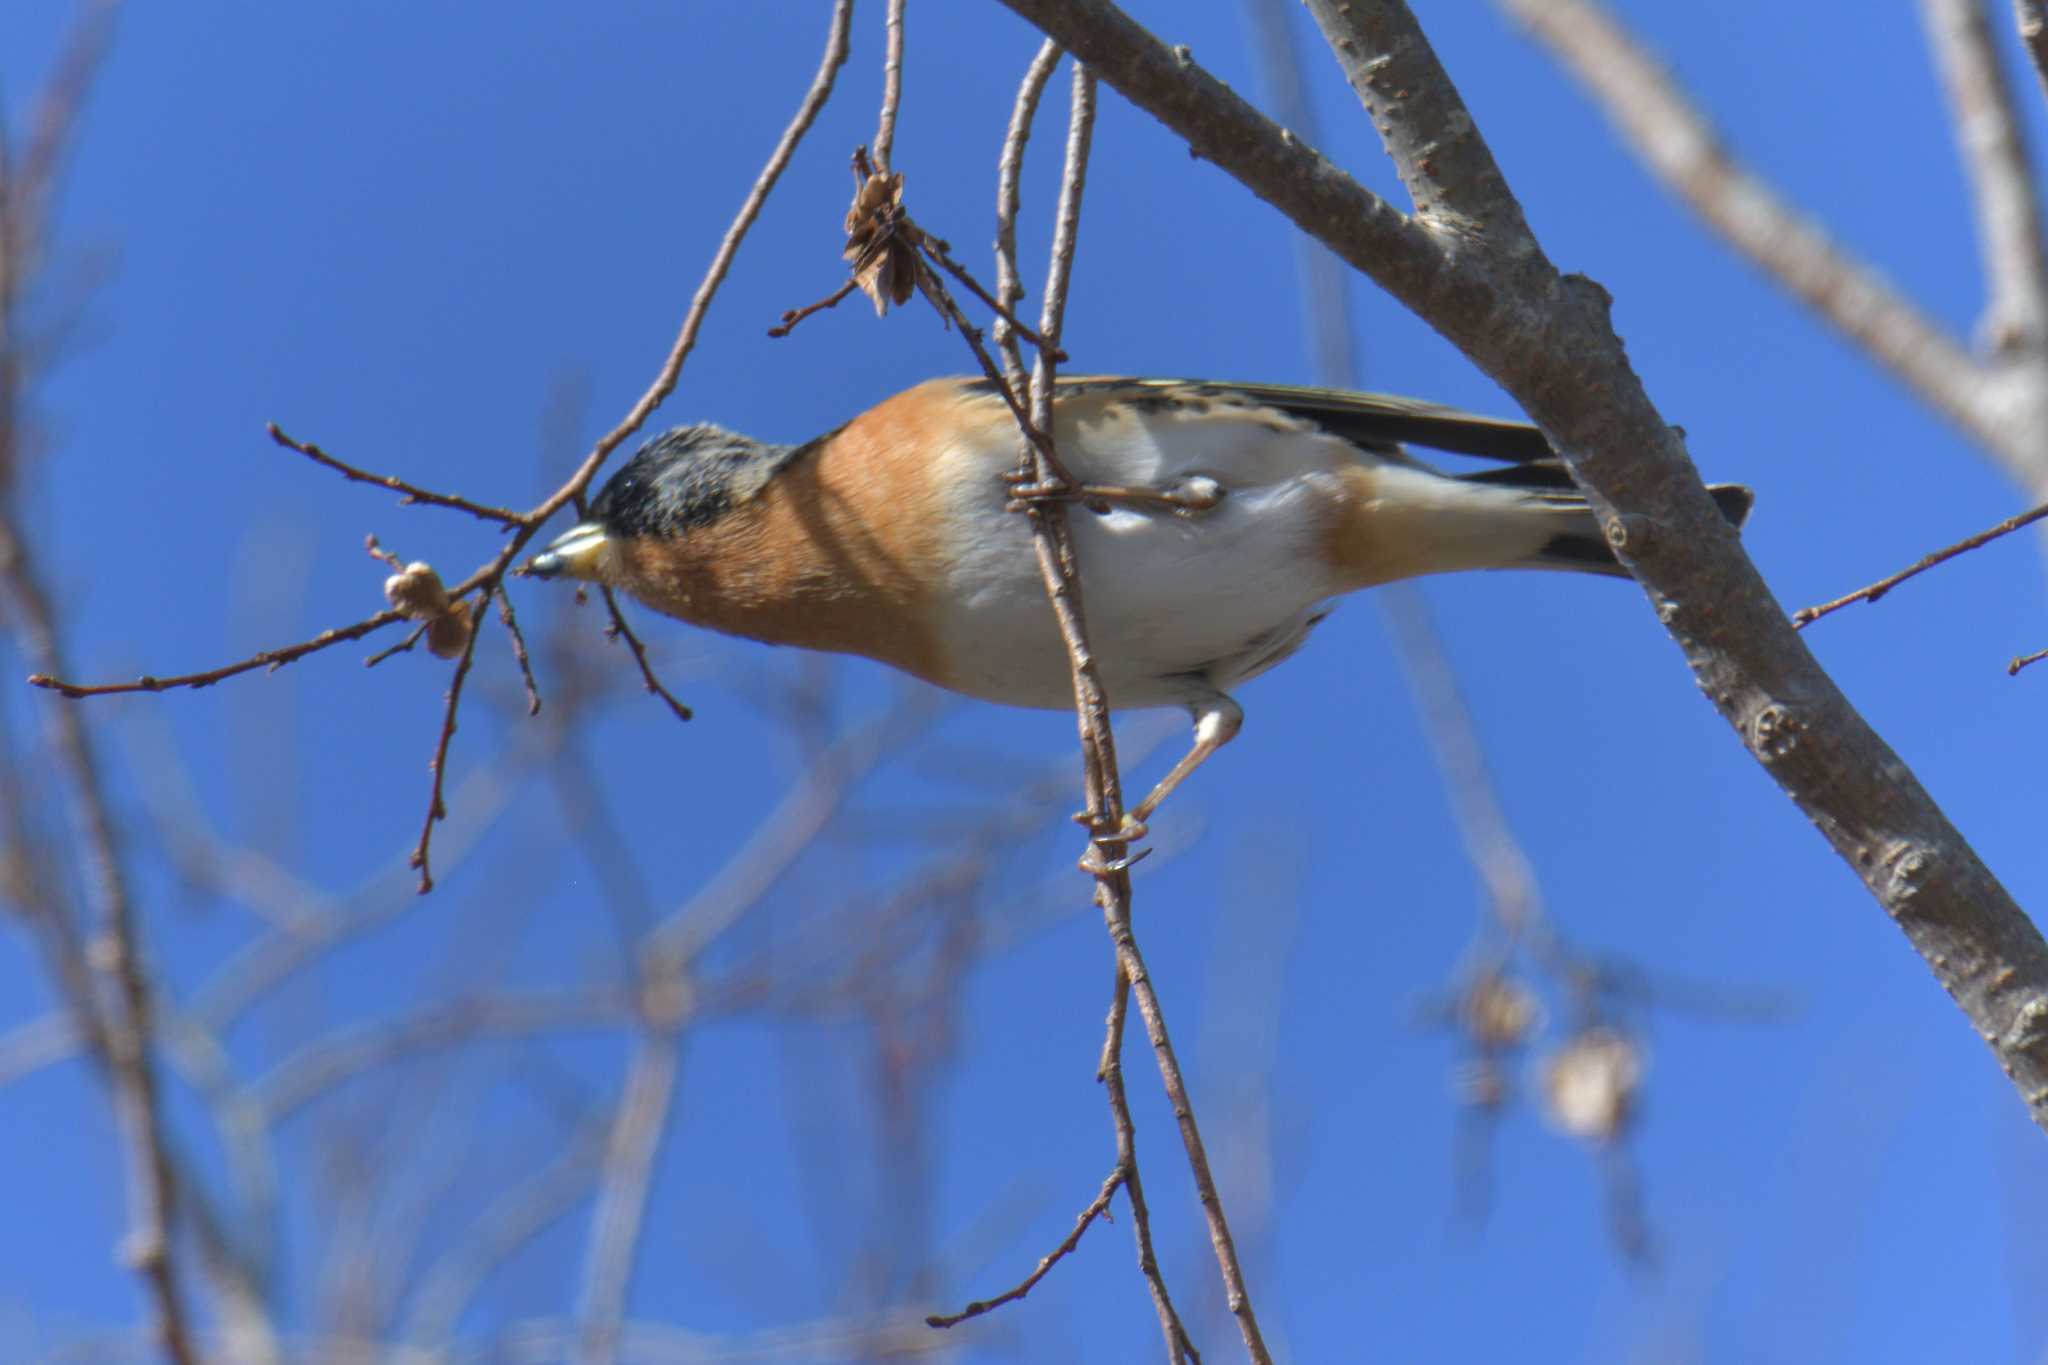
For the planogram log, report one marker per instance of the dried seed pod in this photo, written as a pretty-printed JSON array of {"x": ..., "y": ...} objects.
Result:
[{"x": 1590, "y": 1083}]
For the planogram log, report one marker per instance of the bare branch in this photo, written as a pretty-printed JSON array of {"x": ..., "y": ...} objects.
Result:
[
  {"x": 939, "y": 251},
  {"x": 793, "y": 316},
  {"x": 437, "y": 810},
  {"x": 892, "y": 87},
  {"x": 1009, "y": 174},
  {"x": 269, "y": 659},
  {"x": 1097, "y": 1207},
  {"x": 624, "y": 631},
  {"x": 412, "y": 492},
  {"x": 1110, "y": 1071},
  {"x": 1806, "y": 616},
  {"x": 519, "y": 654}
]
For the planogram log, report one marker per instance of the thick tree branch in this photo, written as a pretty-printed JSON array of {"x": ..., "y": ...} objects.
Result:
[{"x": 1547, "y": 339}]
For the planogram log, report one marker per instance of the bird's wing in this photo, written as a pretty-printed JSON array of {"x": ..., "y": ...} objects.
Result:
[{"x": 1376, "y": 421}]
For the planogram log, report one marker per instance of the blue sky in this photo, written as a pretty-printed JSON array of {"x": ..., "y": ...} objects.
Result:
[{"x": 406, "y": 234}]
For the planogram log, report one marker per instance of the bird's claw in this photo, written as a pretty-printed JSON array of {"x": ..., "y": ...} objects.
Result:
[
  {"x": 1128, "y": 830},
  {"x": 1095, "y": 864},
  {"x": 1025, "y": 493}
]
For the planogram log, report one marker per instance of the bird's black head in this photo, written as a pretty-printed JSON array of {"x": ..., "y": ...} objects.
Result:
[
  {"x": 684, "y": 478},
  {"x": 680, "y": 480}
]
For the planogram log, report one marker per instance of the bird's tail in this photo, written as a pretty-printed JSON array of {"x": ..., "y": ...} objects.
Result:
[
  {"x": 1524, "y": 516},
  {"x": 1579, "y": 544}
]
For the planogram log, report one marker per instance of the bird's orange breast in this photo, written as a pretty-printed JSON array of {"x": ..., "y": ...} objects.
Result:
[{"x": 845, "y": 549}]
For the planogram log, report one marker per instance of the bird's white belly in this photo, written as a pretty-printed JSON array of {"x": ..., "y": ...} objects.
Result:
[{"x": 1175, "y": 604}]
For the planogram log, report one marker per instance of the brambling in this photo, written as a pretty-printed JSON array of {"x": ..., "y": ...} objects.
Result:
[{"x": 1215, "y": 524}]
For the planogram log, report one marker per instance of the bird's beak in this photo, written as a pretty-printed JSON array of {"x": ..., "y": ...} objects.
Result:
[{"x": 573, "y": 554}]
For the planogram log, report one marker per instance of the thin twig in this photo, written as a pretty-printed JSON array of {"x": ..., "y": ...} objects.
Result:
[
  {"x": 1009, "y": 175},
  {"x": 934, "y": 289},
  {"x": 269, "y": 658},
  {"x": 402, "y": 647},
  {"x": 1807, "y": 615},
  {"x": 795, "y": 315},
  {"x": 1051, "y": 535},
  {"x": 437, "y": 810},
  {"x": 519, "y": 654},
  {"x": 892, "y": 87},
  {"x": 413, "y": 492},
  {"x": 624, "y": 632},
  {"x": 939, "y": 251},
  {"x": 1110, "y": 1071},
  {"x": 1097, "y": 1207}
]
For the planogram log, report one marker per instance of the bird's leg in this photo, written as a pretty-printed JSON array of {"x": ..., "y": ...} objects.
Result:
[
  {"x": 1217, "y": 721},
  {"x": 1185, "y": 496}
]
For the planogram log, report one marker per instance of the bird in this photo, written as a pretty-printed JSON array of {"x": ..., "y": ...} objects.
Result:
[{"x": 1215, "y": 526}]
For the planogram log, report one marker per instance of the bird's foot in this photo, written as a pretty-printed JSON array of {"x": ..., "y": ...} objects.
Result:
[
  {"x": 1026, "y": 492},
  {"x": 1187, "y": 496},
  {"x": 1127, "y": 831},
  {"x": 1098, "y": 864}
]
